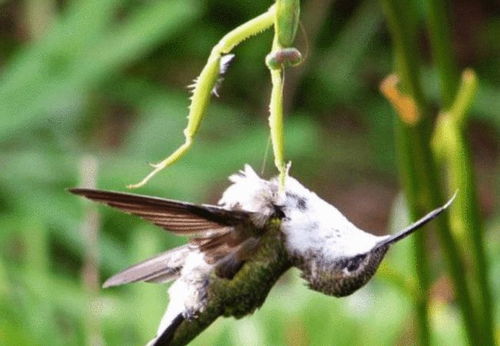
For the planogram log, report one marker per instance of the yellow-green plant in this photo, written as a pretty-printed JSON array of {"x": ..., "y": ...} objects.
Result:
[{"x": 419, "y": 168}]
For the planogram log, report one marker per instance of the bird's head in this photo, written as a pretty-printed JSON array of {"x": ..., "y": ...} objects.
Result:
[{"x": 341, "y": 275}]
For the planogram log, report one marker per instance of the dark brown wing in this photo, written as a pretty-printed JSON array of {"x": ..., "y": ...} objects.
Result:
[
  {"x": 179, "y": 217},
  {"x": 226, "y": 237}
]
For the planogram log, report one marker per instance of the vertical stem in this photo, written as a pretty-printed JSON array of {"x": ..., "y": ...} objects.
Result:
[
  {"x": 467, "y": 221},
  {"x": 466, "y": 215},
  {"x": 407, "y": 68},
  {"x": 422, "y": 170},
  {"x": 410, "y": 184},
  {"x": 90, "y": 269},
  {"x": 465, "y": 218},
  {"x": 441, "y": 46}
]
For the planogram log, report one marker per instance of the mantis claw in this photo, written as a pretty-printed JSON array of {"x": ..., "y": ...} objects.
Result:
[
  {"x": 206, "y": 84},
  {"x": 164, "y": 164},
  {"x": 146, "y": 179}
]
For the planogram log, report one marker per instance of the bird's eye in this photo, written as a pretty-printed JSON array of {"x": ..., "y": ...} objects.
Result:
[{"x": 354, "y": 262}]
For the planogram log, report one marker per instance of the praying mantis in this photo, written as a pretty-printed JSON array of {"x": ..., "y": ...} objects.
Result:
[{"x": 284, "y": 17}]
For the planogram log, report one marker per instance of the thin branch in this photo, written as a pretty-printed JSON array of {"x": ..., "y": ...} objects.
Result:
[{"x": 90, "y": 270}]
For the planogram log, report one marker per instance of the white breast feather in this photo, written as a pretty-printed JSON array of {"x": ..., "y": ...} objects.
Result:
[{"x": 320, "y": 227}]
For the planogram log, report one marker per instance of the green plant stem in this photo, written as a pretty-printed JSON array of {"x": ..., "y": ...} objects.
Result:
[
  {"x": 418, "y": 167},
  {"x": 410, "y": 184},
  {"x": 407, "y": 70},
  {"x": 441, "y": 46},
  {"x": 465, "y": 217}
]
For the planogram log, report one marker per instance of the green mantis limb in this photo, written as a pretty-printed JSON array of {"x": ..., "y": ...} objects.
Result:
[
  {"x": 204, "y": 84},
  {"x": 276, "y": 62},
  {"x": 281, "y": 56},
  {"x": 287, "y": 21},
  {"x": 276, "y": 123}
]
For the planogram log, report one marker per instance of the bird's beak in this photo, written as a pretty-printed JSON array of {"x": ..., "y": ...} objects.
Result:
[{"x": 416, "y": 225}]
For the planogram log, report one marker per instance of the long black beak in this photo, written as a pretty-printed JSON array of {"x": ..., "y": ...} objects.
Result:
[{"x": 416, "y": 225}]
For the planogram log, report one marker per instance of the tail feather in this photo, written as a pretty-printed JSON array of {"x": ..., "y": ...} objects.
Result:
[{"x": 166, "y": 337}]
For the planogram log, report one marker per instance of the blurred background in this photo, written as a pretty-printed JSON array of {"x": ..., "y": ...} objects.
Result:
[{"x": 93, "y": 90}]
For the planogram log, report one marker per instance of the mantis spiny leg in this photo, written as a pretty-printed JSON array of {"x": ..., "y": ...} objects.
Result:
[{"x": 204, "y": 85}]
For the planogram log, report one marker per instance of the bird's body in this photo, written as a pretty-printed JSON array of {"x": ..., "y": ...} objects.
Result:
[
  {"x": 239, "y": 249},
  {"x": 201, "y": 296}
]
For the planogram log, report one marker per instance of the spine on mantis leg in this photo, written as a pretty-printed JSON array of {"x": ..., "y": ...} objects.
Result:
[{"x": 204, "y": 85}]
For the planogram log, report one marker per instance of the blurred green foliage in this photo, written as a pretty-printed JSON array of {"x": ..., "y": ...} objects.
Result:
[{"x": 107, "y": 78}]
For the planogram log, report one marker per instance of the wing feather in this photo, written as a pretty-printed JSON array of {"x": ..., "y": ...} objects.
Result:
[
  {"x": 179, "y": 217},
  {"x": 226, "y": 237},
  {"x": 161, "y": 268}
]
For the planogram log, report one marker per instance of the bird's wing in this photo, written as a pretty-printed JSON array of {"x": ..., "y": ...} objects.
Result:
[
  {"x": 161, "y": 268},
  {"x": 181, "y": 218},
  {"x": 226, "y": 237}
]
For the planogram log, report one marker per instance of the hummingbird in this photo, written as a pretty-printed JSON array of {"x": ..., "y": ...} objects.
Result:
[{"x": 238, "y": 249}]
